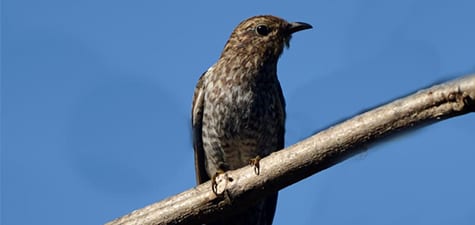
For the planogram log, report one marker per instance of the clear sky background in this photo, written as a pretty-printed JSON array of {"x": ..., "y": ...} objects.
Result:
[{"x": 96, "y": 97}]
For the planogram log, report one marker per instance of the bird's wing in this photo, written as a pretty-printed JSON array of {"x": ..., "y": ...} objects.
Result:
[{"x": 197, "y": 125}]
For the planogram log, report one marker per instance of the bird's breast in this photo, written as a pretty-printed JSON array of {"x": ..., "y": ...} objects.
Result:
[{"x": 240, "y": 121}]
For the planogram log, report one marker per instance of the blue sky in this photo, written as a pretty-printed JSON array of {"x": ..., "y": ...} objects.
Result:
[{"x": 96, "y": 97}]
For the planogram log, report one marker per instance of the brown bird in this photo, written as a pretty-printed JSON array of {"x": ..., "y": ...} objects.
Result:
[{"x": 238, "y": 110}]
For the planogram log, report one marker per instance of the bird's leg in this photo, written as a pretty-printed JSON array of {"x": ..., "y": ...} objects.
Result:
[{"x": 255, "y": 162}]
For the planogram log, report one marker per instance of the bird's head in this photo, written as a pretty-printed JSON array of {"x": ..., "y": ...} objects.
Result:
[{"x": 265, "y": 36}]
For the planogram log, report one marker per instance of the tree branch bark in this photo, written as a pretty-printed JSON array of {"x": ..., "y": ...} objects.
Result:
[{"x": 316, "y": 153}]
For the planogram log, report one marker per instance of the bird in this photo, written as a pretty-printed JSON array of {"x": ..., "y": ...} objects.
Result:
[{"x": 238, "y": 109}]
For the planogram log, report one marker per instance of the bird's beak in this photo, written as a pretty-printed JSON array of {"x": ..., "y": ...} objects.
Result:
[{"x": 298, "y": 26}]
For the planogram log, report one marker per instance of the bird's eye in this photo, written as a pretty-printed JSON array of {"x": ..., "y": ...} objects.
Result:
[{"x": 262, "y": 30}]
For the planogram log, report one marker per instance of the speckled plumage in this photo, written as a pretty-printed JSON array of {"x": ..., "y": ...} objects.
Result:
[{"x": 238, "y": 109}]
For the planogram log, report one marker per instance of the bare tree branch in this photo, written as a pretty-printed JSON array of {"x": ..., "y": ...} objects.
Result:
[{"x": 322, "y": 150}]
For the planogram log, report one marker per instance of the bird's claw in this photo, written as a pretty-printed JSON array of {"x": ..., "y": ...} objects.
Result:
[
  {"x": 214, "y": 183},
  {"x": 255, "y": 162}
]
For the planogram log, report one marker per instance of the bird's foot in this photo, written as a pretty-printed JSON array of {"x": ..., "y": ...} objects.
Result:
[
  {"x": 255, "y": 162},
  {"x": 215, "y": 180}
]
